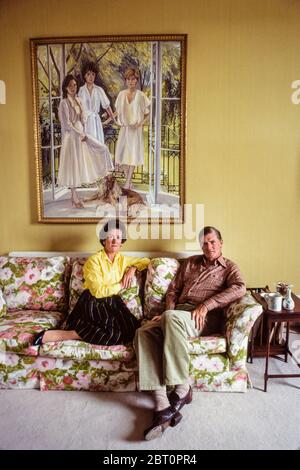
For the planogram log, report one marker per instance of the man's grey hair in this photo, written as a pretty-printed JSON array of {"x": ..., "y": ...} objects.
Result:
[{"x": 209, "y": 229}]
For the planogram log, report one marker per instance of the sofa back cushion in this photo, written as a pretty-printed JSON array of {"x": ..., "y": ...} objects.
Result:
[
  {"x": 161, "y": 272},
  {"x": 129, "y": 296},
  {"x": 76, "y": 282},
  {"x": 33, "y": 283}
]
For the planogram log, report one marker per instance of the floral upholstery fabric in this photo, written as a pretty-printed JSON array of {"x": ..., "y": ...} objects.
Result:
[
  {"x": 216, "y": 363},
  {"x": 241, "y": 316},
  {"x": 134, "y": 306},
  {"x": 17, "y": 330},
  {"x": 81, "y": 350},
  {"x": 38, "y": 317},
  {"x": 160, "y": 273},
  {"x": 212, "y": 363},
  {"x": 3, "y": 306},
  {"x": 33, "y": 283},
  {"x": 207, "y": 345},
  {"x": 206, "y": 372},
  {"x": 129, "y": 296},
  {"x": 228, "y": 381},
  {"x": 27, "y": 372},
  {"x": 76, "y": 282},
  {"x": 19, "y": 372},
  {"x": 98, "y": 376}
]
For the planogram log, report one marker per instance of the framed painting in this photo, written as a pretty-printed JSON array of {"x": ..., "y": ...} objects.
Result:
[{"x": 109, "y": 127}]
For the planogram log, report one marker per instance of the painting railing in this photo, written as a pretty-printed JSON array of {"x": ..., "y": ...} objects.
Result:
[{"x": 170, "y": 158}]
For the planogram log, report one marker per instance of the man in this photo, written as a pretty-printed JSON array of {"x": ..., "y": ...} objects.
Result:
[{"x": 202, "y": 287}]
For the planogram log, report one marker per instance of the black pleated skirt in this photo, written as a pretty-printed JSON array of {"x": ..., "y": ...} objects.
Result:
[{"x": 104, "y": 321}]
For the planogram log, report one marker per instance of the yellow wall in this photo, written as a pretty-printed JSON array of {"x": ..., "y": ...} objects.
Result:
[{"x": 243, "y": 132}]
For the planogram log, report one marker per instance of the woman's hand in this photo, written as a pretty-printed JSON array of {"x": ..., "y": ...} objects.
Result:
[
  {"x": 127, "y": 278},
  {"x": 156, "y": 318},
  {"x": 199, "y": 315}
]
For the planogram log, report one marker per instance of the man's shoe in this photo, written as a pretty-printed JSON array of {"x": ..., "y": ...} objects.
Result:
[
  {"x": 161, "y": 420},
  {"x": 177, "y": 403}
]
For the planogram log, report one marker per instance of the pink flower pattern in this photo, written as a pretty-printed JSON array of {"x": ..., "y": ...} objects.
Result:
[
  {"x": 31, "y": 276},
  {"x": 43, "y": 279},
  {"x": 74, "y": 365}
]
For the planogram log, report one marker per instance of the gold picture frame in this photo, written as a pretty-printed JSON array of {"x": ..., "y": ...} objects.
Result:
[{"x": 158, "y": 62}]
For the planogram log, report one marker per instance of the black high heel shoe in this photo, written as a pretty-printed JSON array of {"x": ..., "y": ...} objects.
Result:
[{"x": 38, "y": 338}]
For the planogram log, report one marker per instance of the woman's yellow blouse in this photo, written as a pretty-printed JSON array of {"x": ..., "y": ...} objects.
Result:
[{"x": 102, "y": 277}]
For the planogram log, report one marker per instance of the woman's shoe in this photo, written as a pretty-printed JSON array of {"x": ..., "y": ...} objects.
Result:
[
  {"x": 38, "y": 338},
  {"x": 161, "y": 421}
]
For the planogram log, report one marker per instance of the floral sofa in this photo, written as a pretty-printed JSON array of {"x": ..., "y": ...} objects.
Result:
[{"x": 38, "y": 293}]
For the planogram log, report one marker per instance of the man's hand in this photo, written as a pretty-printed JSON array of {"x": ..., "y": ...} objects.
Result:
[
  {"x": 199, "y": 315},
  {"x": 127, "y": 278}
]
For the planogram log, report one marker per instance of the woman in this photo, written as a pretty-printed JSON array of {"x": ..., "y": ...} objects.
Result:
[
  {"x": 133, "y": 107},
  {"x": 100, "y": 315},
  {"x": 83, "y": 159},
  {"x": 93, "y": 98}
]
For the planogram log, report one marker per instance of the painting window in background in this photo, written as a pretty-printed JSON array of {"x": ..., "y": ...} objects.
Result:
[{"x": 157, "y": 175}]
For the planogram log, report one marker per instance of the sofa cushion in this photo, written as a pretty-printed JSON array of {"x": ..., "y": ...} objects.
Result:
[
  {"x": 76, "y": 282},
  {"x": 19, "y": 372},
  {"x": 212, "y": 363},
  {"x": 17, "y": 330},
  {"x": 97, "y": 376},
  {"x": 228, "y": 381},
  {"x": 161, "y": 272},
  {"x": 129, "y": 296},
  {"x": 208, "y": 345},
  {"x": 33, "y": 283},
  {"x": 38, "y": 317},
  {"x": 83, "y": 351},
  {"x": 3, "y": 306}
]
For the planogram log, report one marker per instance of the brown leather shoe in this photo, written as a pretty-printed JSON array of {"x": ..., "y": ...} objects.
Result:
[
  {"x": 177, "y": 403},
  {"x": 161, "y": 420}
]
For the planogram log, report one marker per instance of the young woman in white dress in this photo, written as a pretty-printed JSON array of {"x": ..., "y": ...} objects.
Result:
[
  {"x": 133, "y": 107},
  {"x": 93, "y": 98},
  {"x": 83, "y": 159}
]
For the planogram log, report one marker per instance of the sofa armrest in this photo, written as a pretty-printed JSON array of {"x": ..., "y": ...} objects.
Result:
[{"x": 241, "y": 316}]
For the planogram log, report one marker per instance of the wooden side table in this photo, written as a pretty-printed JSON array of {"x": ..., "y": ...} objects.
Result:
[{"x": 284, "y": 316}]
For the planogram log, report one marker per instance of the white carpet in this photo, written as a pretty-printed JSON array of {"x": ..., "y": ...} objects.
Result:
[{"x": 31, "y": 419}]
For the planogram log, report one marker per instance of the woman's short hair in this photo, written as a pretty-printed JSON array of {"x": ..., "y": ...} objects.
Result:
[
  {"x": 89, "y": 67},
  {"x": 108, "y": 227},
  {"x": 65, "y": 84},
  {"x": 209, "y": 229},
  {"x": 131, "y": 73}
]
